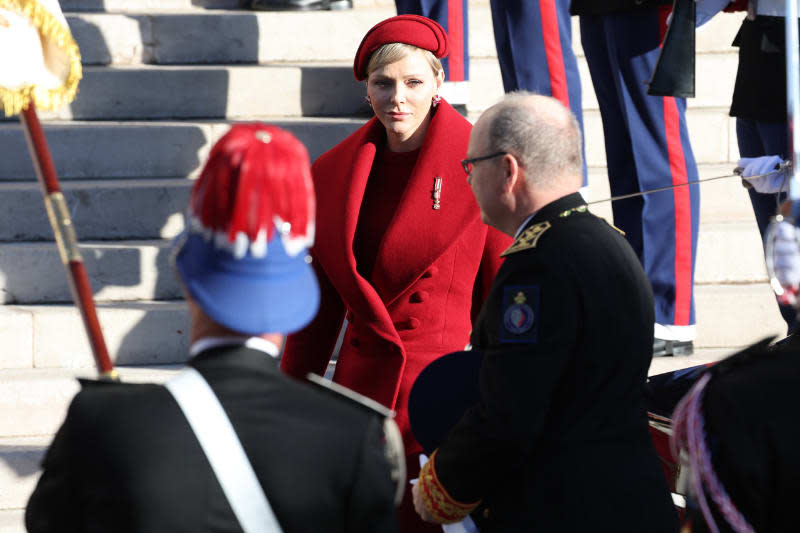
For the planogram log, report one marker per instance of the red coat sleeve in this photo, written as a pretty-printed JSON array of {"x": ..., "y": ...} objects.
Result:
[
  {"x": 310, "y": 349},
  {"x": 496, "y": 243}
]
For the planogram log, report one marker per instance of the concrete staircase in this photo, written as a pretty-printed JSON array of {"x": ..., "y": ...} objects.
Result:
[{"x": 162, "y": 81}]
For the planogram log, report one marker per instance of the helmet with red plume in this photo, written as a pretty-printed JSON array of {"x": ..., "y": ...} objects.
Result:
[{"x": 243, "y": 256}]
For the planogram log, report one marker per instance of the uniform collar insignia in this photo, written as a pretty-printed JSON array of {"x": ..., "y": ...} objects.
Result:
[{"x": 527, "y": 238}]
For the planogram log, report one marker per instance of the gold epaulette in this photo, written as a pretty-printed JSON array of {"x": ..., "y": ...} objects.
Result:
[
  {"x": 442, "y": 507},
  {"x": 614, "y": 227},
  {"x": 527, "y": 239}
]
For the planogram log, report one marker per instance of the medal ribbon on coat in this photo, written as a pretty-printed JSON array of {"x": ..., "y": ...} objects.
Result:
[{"x": 437, "y": 192}]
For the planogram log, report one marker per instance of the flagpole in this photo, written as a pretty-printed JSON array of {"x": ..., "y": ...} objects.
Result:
[
  {"x": 793, "y": 99},
  {"x": 66, "y": 238}
]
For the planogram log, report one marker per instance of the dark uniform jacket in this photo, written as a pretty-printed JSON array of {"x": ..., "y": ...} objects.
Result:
[
  {"x": 750, "y": 408},
  {"x": 760, "y": 89},
  {"x": 559, "y": 440},
  {"x": 126, "y": 460}
]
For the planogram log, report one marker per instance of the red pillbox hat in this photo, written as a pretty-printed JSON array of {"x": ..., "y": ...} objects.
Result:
[{"x": 415, "y": 30}]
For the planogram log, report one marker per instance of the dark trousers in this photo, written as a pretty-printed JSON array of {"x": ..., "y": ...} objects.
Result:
[
  {"x": 647, "y": 147},
  {"x": 534, "y": 48},
  {"x": 757, "y": 138},
  {"x": 452, "y": 15}
]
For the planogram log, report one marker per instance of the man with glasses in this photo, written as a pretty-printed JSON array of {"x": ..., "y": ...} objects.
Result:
[{"x": 558, "y": 438}]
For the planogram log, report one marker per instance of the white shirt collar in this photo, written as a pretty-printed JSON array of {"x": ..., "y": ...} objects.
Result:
[
  {"x": 255, "y": 343},
  {"x": 524, "y": 223}
]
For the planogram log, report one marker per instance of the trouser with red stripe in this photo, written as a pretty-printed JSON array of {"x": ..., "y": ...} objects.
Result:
[
  {"x": 534, "y": 48},
  {"x": 452, "y": 15},
  {"x": 647, "y": 146}
]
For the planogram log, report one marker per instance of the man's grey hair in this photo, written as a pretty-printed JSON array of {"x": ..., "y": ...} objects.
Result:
[{"x": 541, "y": 133}]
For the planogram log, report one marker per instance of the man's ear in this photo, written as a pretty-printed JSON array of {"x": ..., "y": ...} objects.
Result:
[{"x": 511, "y": 173}]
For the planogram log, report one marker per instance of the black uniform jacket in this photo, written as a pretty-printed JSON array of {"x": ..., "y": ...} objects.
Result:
[
  {"x": 559, "y": 439},
  {"x": 126, "y": 460},
  {"x": 760, "y": 89},
  {"x": 751, "y": 408}
]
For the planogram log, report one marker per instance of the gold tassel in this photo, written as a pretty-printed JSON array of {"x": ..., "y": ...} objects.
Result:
[{"x": 53, "y": 30}]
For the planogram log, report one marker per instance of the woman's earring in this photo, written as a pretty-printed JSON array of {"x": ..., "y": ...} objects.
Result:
[
  {"x": 367, "y": 100},
  {"x": 435, "y": 100}
]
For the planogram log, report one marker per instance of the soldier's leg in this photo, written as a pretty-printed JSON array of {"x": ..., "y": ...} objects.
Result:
[
  {"x": 619, "y": 150},
  {"x": 534, "y": 48},
  {"x": 757, "y": 138},
  {"x": 663, "y": 157},
  {"x": 453, "y": 17}
]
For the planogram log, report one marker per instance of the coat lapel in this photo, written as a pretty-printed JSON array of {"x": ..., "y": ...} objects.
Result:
[
  {"x": 419, "y": 234},
  {"x": 340, "y": 177}
]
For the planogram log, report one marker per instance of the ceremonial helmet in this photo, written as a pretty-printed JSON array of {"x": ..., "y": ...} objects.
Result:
[{"x": 243, "y": 256}]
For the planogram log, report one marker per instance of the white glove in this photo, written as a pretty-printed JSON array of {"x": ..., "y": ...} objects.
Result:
[
  {"x": 769, "y": 180},
  {"x": 706, "y": 9},
  {"x": 786, "y": 260}
]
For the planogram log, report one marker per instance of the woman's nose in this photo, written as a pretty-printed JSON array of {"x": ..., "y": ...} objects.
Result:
[{"x": 399, "y": 94}]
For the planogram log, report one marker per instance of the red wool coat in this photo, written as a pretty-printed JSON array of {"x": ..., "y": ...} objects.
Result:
[{"x": 432, "y": 272}]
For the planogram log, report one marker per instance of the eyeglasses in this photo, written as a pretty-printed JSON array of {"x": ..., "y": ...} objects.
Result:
[{"x": 468, "y": 164}]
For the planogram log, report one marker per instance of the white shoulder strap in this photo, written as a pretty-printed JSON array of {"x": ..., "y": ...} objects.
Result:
[{"x": 224, "y": 451}]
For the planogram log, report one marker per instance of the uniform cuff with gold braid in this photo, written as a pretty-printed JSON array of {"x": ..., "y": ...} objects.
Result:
[{"x": 442, "y": 507}]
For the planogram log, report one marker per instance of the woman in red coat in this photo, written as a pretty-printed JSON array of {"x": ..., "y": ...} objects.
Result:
[{"x": 400, "y": 250}]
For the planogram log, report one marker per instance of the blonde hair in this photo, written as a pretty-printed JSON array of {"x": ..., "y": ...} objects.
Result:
[{"x": 392, "y": 52}]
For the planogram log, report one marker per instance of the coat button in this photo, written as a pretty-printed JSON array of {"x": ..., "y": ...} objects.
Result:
[
  {"x": 354, "y": 343},
  {"x": 411, "y": 323},
  {"x": 419, "y": 297},
  {"x": 432, "y": 271}
]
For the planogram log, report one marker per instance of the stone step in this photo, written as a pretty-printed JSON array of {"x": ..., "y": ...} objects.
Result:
[
  {"x": 143, "y": 149},
  {"x": 146, "y": 92},
  {"x": 32, "y": 273},
  {"x": 52, "y": 336},
  {"x": 118, "y": 271},
  {"x": 12, "y": 520},
  {"x": 197, "y": 36},
  {"x": 100, "y": 209},
  {"x": 129, "y": 209},
  {"x": 20, "y": 465},
  {"x": 730, "y": 253},
  {"x": 736, "y": 315},
  {"x": 33, "y": 402},
  {"x": 175, "y": 33},
  {"x": 715, "y": 77},
  {"x": 127, "y": 6},
  {"x": 722, "y": 200},
  {"x": 136, "y": 6}
]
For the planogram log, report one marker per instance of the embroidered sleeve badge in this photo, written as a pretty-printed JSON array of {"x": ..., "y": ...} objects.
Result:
[{"x": 520, "y": 314}]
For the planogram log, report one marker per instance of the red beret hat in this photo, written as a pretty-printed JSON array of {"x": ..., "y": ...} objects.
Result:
[{"x": 415, "y": 30}]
